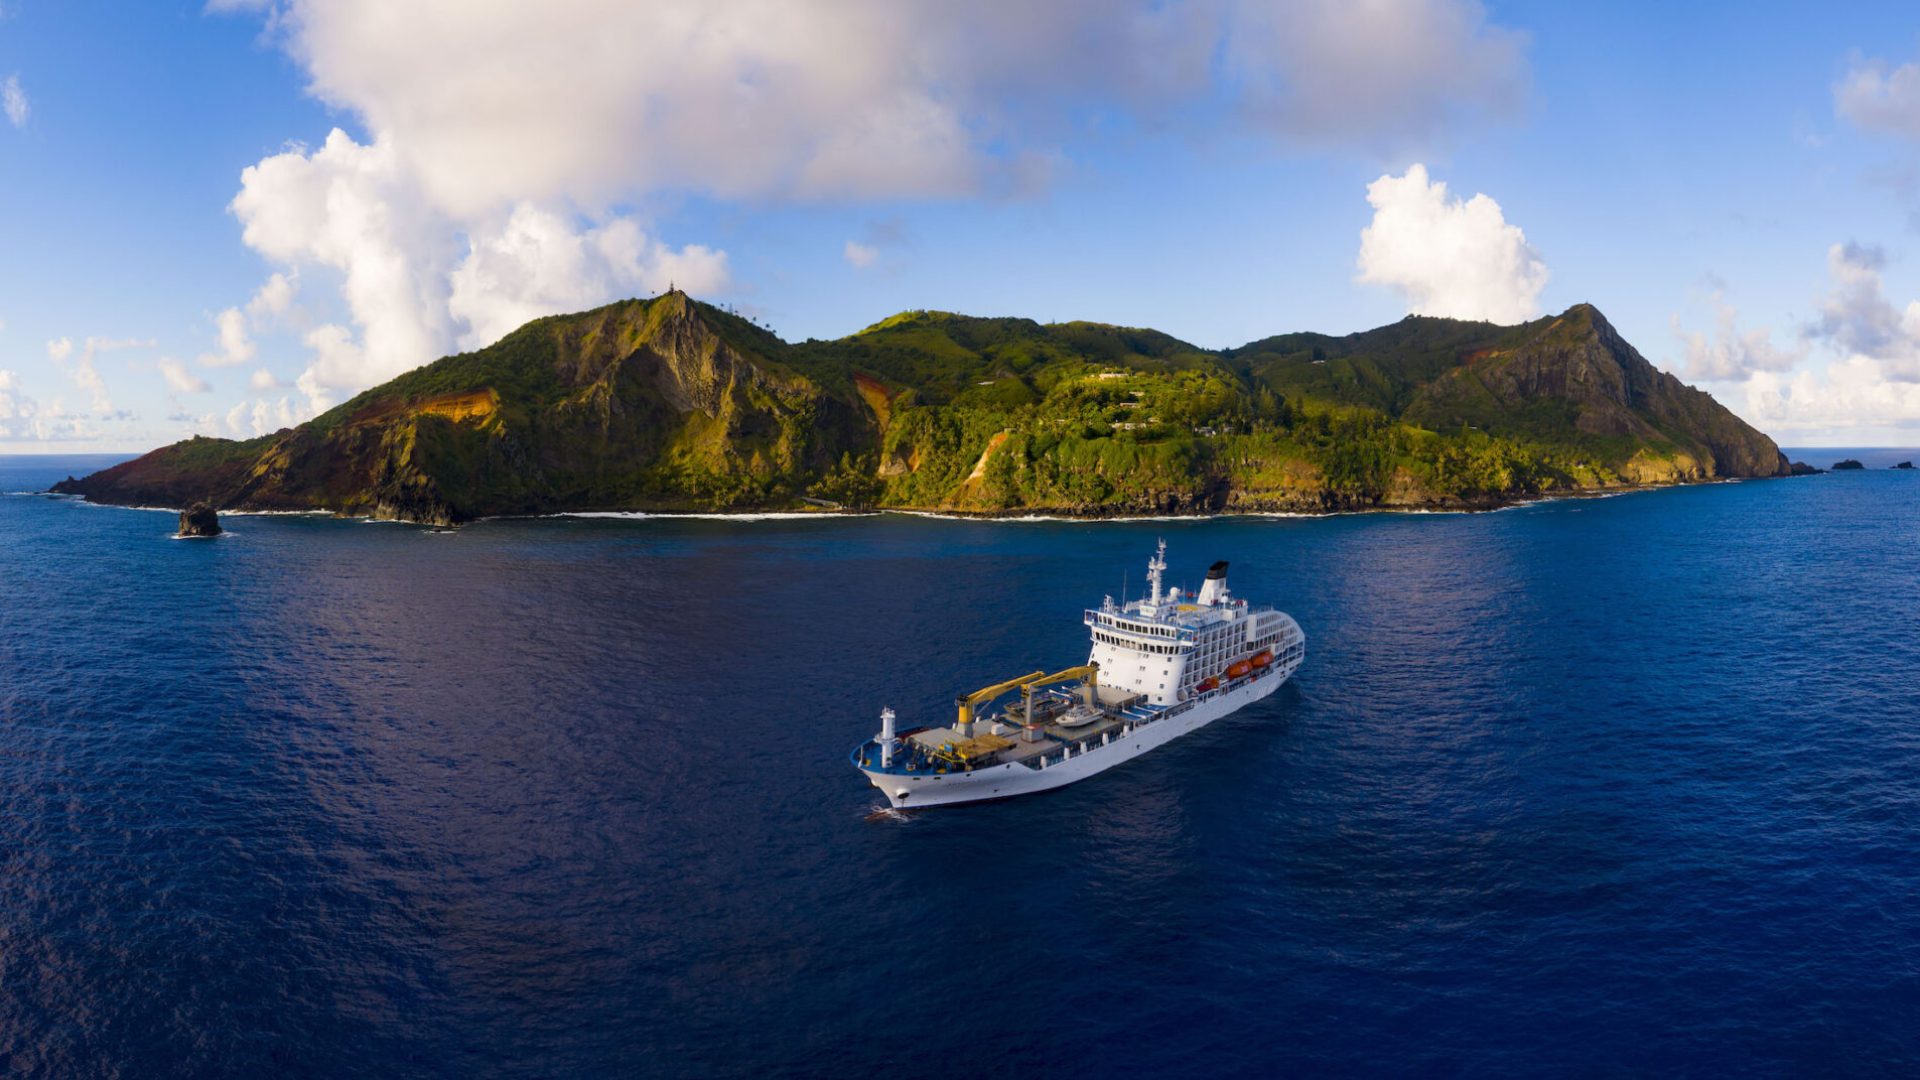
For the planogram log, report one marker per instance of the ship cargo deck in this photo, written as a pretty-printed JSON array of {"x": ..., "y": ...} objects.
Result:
[
  {"x": 1160, "y": 667},
  {"x": 1010, "y": 746}
]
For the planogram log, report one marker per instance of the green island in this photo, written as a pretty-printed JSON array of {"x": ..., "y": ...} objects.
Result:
[{"x": 670, "y": 404}]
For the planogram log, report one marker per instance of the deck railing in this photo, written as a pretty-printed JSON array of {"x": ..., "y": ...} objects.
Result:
[
  {"x": 1135, "y": 719},
  {"x": 1051, "y": 760}
]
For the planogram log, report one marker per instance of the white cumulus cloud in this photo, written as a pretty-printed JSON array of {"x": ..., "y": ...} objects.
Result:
[
  {"x": 274, "y": 298},
  {"x": 14, "y": 100},
  {"x": 338, "y": 363},
  {"x": 84, "y": 370},
  {"x": 493, "y": 101},
  {"x": 251, "y": 419},
  {"x": 1732, "y": 354},
  {"x": 497, "y": 137},
  {"x": 353, "y": 209},
  {"x": 179, "y": 379},
  {"x": 1865, "y": 388},
  {"x": 537, "y": 263},
  {"x": 19, "y": 413},
  {"x": 236, "y": 347},
  {"x": 273, "y": 416},
  {"x": 1385, "y": 74},
  {"x": 1448, "y": 257},
  {"x": 1876, "y": 97},
  {"x": 858, "y": 255},
  {"x": 1857, "y": 318},
  {"x": 25, "y": 419},
  {"x": 1850, "y": 397}
]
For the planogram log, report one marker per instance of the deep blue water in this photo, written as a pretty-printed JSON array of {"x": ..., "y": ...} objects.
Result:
[{"x": 1596, "y": 787}]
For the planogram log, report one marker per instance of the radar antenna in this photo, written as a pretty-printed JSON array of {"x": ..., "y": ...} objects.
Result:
[{"x": 1156, "y": 567}]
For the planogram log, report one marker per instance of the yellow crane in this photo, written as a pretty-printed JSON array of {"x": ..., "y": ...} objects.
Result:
[
  {"x": 966, "y": 702},
  {"x": 1090, "y": 672}
]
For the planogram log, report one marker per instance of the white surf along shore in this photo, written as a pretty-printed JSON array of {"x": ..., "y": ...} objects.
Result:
[{"x": 826, "y": 514}]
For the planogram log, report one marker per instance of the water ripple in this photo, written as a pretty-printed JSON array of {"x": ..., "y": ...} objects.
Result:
[{"x": 1613, "y": 786}]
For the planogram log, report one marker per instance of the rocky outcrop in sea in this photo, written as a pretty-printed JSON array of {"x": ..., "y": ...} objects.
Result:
[{"x": 199, "y": 520}]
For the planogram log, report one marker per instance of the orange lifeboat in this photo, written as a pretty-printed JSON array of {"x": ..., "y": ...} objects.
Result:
[
  {"x": 1239, "y": 669},
  {"x": 1263, "y": 658},
  {"x": 1206, "y": 685}
]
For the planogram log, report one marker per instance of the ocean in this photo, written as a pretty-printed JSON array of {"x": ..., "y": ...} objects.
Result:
[{"x": 1598, "y": 786}]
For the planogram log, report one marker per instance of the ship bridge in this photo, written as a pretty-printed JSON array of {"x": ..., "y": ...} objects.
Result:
[
  {"x": 1161, "y": 667},
  {"x": 1168, "y": 646}
]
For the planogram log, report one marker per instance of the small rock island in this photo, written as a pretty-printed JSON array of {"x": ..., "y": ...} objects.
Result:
[
  {"x": 199, "y": 520},
  {"x": 1847, "y": 466},
  {"x": 1904, "y": 465}
]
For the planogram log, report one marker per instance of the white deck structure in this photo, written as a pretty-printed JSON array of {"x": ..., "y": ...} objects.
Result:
[{"x": 1167, "y": 665}]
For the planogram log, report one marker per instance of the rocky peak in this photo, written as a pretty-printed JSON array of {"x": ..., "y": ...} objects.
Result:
[
  {"x": 1576, "y": 357},
  {"x": 668, "y": 402},
  {"x": 690, "y": 361},
  {"x": 671, "y": 344}
]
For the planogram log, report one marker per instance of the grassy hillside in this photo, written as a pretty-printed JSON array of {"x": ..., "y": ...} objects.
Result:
[{"x": 669, "y": 403}]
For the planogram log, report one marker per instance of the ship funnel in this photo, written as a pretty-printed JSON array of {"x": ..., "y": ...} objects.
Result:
[{"x": 1215, "y": 590}]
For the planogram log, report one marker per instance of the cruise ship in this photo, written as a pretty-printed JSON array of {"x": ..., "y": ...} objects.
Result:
[{"x": 1161, "y": 667}]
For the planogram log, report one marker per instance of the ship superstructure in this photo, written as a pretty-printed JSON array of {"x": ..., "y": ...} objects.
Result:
[{"x": 1160, "y": 667}]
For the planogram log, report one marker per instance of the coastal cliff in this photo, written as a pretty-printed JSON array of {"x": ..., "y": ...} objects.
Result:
[{"x": 671, "y": 404}]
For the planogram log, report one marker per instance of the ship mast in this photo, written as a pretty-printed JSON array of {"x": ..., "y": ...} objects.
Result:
[{"x": 1156, "y": 567}]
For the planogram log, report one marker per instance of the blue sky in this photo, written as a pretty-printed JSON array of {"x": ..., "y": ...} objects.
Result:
[{"x": 185, "y": 247}]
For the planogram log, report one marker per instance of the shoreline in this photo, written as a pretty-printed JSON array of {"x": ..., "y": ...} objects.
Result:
[{"x": 1010, "y": 516}]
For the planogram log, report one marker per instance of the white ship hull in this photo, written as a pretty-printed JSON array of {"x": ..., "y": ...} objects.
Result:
[
  {"x": 1162, "y": 666},
  {"x": 1005, "y": 781}
]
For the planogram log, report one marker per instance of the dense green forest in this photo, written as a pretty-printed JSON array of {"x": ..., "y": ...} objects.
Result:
[
  {"x": 999, "y": 414},
  {"x": 670, "y": 403}
]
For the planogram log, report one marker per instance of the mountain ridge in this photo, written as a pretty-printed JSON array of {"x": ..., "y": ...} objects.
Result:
[{"x": 672, "y": 404}]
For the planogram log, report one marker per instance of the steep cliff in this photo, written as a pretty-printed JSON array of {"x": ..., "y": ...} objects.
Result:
[
  {"x": 662, "y": 403},
  {"x": 1576, "y": 380},
  {"x": 672, "y": 404}
]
